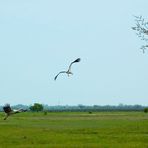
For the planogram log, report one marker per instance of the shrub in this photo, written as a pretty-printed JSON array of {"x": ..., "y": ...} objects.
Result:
[
  {"x": 45, "y": 112},
  {"x": 36, "y": 107},
  {"x": 146, "y": 110}
]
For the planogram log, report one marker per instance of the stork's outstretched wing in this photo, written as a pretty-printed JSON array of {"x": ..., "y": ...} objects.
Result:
[
  {"x": 58, "y": 74},
  {"x": 15, "y": 111},
  {"x": 77, "y": 60}
]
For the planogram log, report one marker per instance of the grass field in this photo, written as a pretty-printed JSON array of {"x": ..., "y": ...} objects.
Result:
[{"x": 74, "y": 130}]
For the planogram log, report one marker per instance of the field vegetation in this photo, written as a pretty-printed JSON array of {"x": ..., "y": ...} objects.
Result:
[{"x": 75, "y": 130}]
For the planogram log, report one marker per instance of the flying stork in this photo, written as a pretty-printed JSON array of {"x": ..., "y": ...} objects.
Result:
[
  {"x": 7, "y": 109},
  {"x": 68, "y": 72}
]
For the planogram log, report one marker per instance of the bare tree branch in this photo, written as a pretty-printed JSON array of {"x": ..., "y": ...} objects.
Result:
[{"x": 141, "y": 28}]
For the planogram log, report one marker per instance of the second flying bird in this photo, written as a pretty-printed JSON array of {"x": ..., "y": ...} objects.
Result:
[{"x": 68, "y": 72}]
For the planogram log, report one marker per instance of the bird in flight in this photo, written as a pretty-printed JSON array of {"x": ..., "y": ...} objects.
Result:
[
  {"x": 68, "y": 72},
  {"x": 9, "y": 111}
]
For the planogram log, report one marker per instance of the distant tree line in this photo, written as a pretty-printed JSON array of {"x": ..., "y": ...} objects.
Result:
[{"x": 60, "y": 108}]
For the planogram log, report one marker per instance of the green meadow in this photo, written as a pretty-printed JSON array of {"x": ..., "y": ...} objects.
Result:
[{"x": 75, "y": 130}]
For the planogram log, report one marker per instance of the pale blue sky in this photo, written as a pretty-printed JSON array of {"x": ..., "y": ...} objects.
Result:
[{"x": 38, "y": 38}]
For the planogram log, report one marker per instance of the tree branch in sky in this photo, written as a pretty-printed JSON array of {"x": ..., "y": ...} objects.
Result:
[{"x": 141, "y": 28}]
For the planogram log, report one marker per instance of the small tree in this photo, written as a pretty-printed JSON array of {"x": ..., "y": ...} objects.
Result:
[
  {"x": 141, "y": 29},
  {"x": 36, "y": 107},
  {"x": 146, "y": 110}
]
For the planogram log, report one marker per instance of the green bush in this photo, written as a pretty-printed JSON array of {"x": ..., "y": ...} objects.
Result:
[
  {"x": 45, "y": 112},
  {"x": 146, "y": 110},
  {"x": 36, "y": 107}
]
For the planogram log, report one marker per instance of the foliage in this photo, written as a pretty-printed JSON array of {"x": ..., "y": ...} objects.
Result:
[
  {"x": 36, "y": 107},
  {"x": 45, "y": 112},
  {"x": 141, "y": 29},
  {"x": 146, "y": 110}
]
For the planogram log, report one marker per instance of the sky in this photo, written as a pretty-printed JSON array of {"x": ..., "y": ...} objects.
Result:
[{"x": 39, "y": 38}]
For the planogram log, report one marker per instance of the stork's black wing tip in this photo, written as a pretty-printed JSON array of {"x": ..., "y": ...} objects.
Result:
[
  {"x": 55, "y": 78},
  {"x": 77, "y": 60}
]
